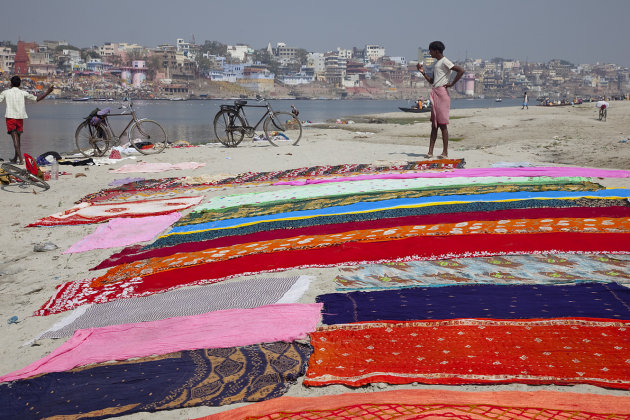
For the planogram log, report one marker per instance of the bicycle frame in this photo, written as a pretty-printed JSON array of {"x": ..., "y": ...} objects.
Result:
[
  {"x": 241, "y": 111},
  {"x": 133, "y": 120}
]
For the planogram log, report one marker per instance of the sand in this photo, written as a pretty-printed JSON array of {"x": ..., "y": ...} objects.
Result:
[{"x": 539, "y": 136}]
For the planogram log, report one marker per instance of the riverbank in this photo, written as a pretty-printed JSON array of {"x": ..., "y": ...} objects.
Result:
[{"x": 541, "y": 136}]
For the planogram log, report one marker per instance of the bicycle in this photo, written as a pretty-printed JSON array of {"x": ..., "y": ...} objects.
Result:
[
  {"x": 94, "y": 135},
  {"x": 603, "y": 113},
  {"x": 24, "y": 177},
  {"x": 280, "y": 128}
]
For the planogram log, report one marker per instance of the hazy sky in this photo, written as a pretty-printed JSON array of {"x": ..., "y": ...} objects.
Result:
[{"x": 580, "y": 31}]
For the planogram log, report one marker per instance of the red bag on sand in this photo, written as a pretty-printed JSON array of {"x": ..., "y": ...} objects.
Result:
[{"x": 115, "y": 154}]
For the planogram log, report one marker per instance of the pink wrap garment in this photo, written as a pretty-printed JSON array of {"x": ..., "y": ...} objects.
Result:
[{"x": 440, "y": 106}]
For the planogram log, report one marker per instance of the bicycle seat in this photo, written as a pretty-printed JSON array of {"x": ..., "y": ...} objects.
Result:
[{"x": 240, "y": 102}]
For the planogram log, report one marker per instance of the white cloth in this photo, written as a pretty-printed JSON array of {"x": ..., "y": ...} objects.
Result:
[
  {"x": 15, "y": 102},
  {"x": 441, "y": 72},
  {"x": 600, "y": 103}
]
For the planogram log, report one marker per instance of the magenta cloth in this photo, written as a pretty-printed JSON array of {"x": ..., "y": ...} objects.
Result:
[
  {"x": 124, "y": 231},
  {"x": 440, "y": 106},
  {"x": 228, "y": 328},
  {"x": 157, "y": 167},
  {"x": 474, "y": 172}
]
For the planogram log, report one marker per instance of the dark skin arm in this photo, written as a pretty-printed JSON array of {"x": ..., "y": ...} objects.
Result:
[{"x": 43, "y": 95}]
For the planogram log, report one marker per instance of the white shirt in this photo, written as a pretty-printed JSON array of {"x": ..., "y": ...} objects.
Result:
[
  {"x": 441, "y": 72},
  {"x": 15, "y": 102}
]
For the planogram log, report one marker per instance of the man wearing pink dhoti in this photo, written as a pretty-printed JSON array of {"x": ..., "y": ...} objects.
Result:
[{"x": 440, "y": 99}]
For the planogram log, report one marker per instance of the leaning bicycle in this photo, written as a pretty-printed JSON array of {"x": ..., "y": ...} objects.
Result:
[
  {"x": 280, "y": 128},
  {"x": 23, "y": 177},
  {"x": 95, "y": 135}
]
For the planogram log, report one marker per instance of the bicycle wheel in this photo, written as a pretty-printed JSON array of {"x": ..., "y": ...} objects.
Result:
[
  {"x": 92, "y": 141},
  {"x": 229, "y": 128},
  {"x": 148, "y": 137},
  {"x": 283, "y": 129},
  {"x": 23, "y": 176}
]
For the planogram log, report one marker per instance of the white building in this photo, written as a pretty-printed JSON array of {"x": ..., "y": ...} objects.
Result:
[
  {"x": 374, "y": 52},
  {"x": 6, "y": 59},
  {"x": 317, "y": 62},
  {"x": 239, "y": 51}
]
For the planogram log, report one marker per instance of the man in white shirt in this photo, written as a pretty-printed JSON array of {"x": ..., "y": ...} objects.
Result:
[
  {"x": 440, "y": 99},
  {"x": 16, "y": 113}
]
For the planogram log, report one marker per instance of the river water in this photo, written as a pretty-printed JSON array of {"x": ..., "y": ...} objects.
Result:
[{"x": 52, "y": 123}]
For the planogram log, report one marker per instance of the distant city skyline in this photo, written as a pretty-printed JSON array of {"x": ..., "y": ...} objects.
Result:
[{"x": 579, "y": 31}]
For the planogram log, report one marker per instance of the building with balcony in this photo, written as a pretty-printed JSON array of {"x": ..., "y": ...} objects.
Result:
[
  {"x": 7, "y": 58},
  {"x": 374, "y": 52}
]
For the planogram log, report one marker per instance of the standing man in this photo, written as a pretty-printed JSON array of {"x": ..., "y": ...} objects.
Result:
[
  {"x": 16, "y": 113},
  {"x": 440, "y": 99},
  {"x": 525, "y": 98}
]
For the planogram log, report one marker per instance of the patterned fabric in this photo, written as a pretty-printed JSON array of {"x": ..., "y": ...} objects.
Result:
[
  {"x": 475, "y": 172},
  {"x": 587, "y": 300},
  {"x": 95, "y": 213},
  {"x": 407, "y": 404},
  {"x": 203, "y": 215},
  {"x": 509, "y": 269},
  {"x": 72, "y": 294},
  {"x": 367, "y": 211},
  {"x": 522, "y": 226},
  {"x": 144, "y": 188},
  {"x": 461, "y": 351},
  {"x": 361, "y": 188},
  {"x": 136, "y": 253},
  {"x": 183, "y": 302},
  {"x": 180, "y": 185},
  {"x": 210, "y": 330},
  {"x": 211, "y": 377}
]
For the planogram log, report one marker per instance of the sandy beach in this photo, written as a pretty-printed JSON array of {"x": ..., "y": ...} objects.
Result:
[{"x": 538, "y": 136}]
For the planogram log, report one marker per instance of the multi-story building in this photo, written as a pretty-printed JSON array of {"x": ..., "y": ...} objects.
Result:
[
  {"x": 7, "y": 58},
  {"x": 239, "y": 51},
  {"x": 374, "y": 52}
]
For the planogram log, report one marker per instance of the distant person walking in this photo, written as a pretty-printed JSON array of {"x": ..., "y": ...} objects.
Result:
[
  {"x": 440, "y": 98},
  {"x": 16, "y": 113},
  {"x": 525, "y": 99}
]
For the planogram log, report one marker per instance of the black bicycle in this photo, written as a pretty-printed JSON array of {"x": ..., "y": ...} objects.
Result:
[{"x": 280, "y": 128}]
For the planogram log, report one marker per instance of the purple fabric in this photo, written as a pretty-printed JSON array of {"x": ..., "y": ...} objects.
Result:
[
  {"x": 124, "y": 231},
  {"x": 228, "y": 328},
  {"x": 474, "y": 172},
  {"x": 440, "y": 106}
]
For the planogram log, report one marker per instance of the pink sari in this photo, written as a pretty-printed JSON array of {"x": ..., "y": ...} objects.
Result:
[{"x": 441, "y": 104}]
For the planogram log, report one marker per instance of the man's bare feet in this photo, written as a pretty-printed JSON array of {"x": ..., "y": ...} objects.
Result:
[
  {"x": 443, "y": 156},
  {"x": 428, "y": 156}
]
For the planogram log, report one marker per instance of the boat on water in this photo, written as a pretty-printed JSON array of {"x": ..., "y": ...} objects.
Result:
[
  {"x": 414, "y": 109},
  {"x": 498, "y": 100},
  {"x": 103, "y": 99},
  {"x": 85, "y": 98}
]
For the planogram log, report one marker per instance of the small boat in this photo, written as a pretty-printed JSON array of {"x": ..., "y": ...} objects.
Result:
[
  {"x": 85, "y": 98},
  {"x": 498, "y": 100},
  {"x": 416, "y": 109}
]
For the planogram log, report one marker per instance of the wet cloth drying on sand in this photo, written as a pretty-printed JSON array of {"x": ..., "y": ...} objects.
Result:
[
  {"x": 549, "y": 351},
  {"x": 124, "y": 231},
  {"x": 137, "y": 252},
  {"x": 183, "y": 302},
  {"x": 508, "y": 269},
  {"x": 73, "y": 294},
  {"x": 585, "y": 300},
  {"x": 210, "y": 377},
  {"x": 85, "y": 213},
  {"x": 497, "y": 227},
  {"x": 433, "y": 404},
  {"x": 162, "y": 186},
  {"x": 228, "y": 328},
  {"x": 552, "y": 171},
  {"x": 202, "y": 214}
]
